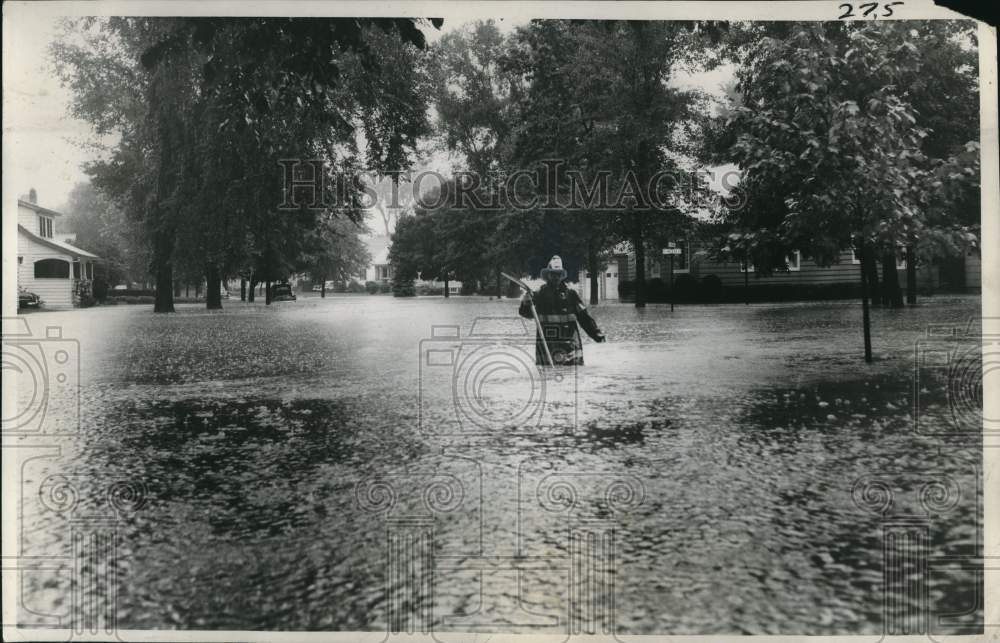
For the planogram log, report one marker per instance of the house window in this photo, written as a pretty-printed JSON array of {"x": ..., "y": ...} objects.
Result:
[
  {"x": 743, "y": 267},
  {"x": 52, "y": 269},
  {"x": 45, "y": 227},
  {"x": 794, "y": 261}
]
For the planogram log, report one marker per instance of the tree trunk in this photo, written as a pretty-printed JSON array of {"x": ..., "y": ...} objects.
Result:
[
  {"x": 499, "y": 285},
  {"x": 251, "y": 289},
  {"x": 594, "y": 270},
  {"x": 322, "y": 289},
  {"x": 911, "y": 276},
  {"x": 640, "y": 263},
  {"x": 869, "y": 268},
  {"x": 213, "y": 286},
  {"x": 866, "y": 258},
  {"x": 892, "y": 295},
  {"x": 164, "y": 301},
  {"x": 243, "y": 289},
  {"x": 163, "y": 249},
  {"x": 446, "y": 286},
  {"x": 267, "y": 292},
  {"x": 177, "y": 289}
]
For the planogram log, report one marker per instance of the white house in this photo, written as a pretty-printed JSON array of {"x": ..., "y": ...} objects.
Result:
[
  {"x": 378, "y": 270},
  {"x": 56, "y": 271}
]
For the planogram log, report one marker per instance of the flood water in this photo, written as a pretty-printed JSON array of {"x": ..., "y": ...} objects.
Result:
[{"x": 321, "y": 464}]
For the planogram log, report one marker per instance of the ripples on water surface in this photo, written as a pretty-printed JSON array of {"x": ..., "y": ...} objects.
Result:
[{"x": 723, "y": 444}]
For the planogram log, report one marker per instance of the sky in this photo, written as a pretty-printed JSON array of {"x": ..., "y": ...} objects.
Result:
[
  {"x": 43, "y": 138},
  {"x": 46, "y": 144}
]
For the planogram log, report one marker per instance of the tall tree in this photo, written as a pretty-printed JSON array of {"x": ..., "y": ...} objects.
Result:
[
  {"x": 208, "y": 106},
  {"x": 336, "y": 251},
  {"x": 831, "y": 149},
  {"x": 599, "y": 95}
]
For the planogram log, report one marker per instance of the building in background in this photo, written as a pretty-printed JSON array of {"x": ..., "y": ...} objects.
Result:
[
  {"x": 696, "y": 276},
  {"x": 57, "y": 271},
  {"x": 378, "y": 269}
]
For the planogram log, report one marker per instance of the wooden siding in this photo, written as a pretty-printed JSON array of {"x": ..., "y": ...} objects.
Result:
[
  {"x": 809, "y": 273},
  {"x": 56, "y": 293},
  {"x": 27, "y": 217}
]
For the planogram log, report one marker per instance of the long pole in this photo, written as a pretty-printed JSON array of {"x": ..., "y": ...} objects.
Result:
[
  {"x": 534, "y": 315},
  {"x": 541, "y": 331},
  {"x": 746, "y": 279},
  {"x": 671, "y": 283}
]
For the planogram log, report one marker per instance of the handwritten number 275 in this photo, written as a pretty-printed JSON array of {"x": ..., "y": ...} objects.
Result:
[{"x": 867, "y": 10}]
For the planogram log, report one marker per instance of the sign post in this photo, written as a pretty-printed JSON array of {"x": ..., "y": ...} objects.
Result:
[{"x": 670, "y": 251}]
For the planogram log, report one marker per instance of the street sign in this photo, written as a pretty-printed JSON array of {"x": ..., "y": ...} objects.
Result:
[{"x": 671, "y": 251}]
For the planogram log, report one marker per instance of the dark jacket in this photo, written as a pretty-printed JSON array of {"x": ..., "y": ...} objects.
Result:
[{"x": 559, "y": 311}]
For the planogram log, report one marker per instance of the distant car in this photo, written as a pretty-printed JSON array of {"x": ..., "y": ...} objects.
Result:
[
  {"x": 282, "y": 292},
  {"x": 317, "y": 288},
  {"x": 27, "y": 299}
]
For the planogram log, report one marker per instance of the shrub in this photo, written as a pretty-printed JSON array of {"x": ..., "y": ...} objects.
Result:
[
  {"x": 132, "y": 292},
  {"x": 356, "y": 287},
  {"x": 711, "y": 288},
  {"x": 385, "y": 288},
  {"x": 100, "y": 289},
  {"x": 428, "y": 290},
  {"x": 403, "y": 290},
  {"x": 371, "y": 287},
  {"x": 131, "y": 299},
  {"x": 685, "y": 287},
  {"x": 657, "y": 290}
]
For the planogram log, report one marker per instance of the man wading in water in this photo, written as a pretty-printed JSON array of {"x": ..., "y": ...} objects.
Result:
[{"x": 559, "y": 309}]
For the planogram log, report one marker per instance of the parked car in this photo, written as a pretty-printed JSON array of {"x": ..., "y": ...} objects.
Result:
[
  {"x": 317, "y": 288},
  {"x": 27, "y": 299},
  {"x": 282, "y": 292}
]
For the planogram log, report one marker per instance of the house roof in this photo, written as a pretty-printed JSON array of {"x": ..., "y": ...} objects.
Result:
[
  {"x": 38, "y": 208},
  {"x": 58, "y": 245}
]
